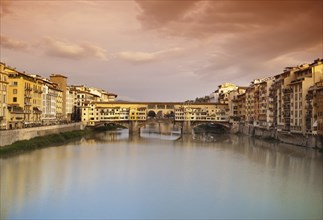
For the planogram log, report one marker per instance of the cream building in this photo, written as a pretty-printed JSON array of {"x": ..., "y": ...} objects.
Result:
[
  {"x": 50, "y": 96},
  {"x": 102, "y": 95},
  {"x": 220, "y": 95},
  {"x": 305, "y": 77},
  {"x": 83, "y": 96},
  {"x": 279, "y": 97},
  {"x": 70, "y": 96}
]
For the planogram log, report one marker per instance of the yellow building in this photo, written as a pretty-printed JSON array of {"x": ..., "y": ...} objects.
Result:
[
  {"x": 241, "y": 108},
  {"x": 233, "y": 103},
  {"x": 97, "y": 112},
  {"x": 201, "y": 112},
  {"x": 59, "y": 105},
  {"x": 24, "y": 99},
  {"x": 3, "y": 96},
  {"x": 61, "y": 81}
]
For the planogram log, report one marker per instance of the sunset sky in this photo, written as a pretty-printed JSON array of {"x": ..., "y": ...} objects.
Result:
[{"x": 160, "y": 50}]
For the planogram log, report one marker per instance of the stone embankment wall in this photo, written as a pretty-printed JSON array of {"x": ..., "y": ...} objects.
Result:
[
  {"x": 311, "y": 141},
  {"x": 10, "y": 136}
]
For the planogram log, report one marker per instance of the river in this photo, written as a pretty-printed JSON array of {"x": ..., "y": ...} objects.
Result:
[{"x": 112, "y": 175}]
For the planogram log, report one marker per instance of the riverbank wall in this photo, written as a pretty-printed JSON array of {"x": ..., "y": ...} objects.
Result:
[
  {"x": 10, "y": 136},
  {"x": 311, "y": 141}
]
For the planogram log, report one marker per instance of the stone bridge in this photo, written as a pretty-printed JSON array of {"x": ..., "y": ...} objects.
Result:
[{"x": 186, "y": 127}]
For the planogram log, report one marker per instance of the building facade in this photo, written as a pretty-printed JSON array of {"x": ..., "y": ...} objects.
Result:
[
  {"x": 50, "y": 96},
  {"x": 3, "y": 97},
  {"x": 61, "y": 82},
  {"x": 24, "y": 100}
]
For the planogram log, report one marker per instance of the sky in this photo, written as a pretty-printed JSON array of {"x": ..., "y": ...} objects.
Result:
[{"x": 160, "y": 50}]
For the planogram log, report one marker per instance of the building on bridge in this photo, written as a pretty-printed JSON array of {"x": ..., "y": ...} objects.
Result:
[{"x": 105, "y": 112}]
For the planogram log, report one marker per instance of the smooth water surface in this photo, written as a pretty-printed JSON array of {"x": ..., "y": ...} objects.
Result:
[{"x": 113, "y": 175}]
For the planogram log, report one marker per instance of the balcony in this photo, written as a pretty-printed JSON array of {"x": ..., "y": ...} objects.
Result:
[
  {"x": 287, "y": 90},
  {"x": 15, "y": 109}
]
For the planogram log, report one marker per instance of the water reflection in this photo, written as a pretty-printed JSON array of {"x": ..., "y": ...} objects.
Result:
[
  {"x": 165, "y": 131},
  {"x": 114, "y": 175},
  {"x": 211, "y": 137},
  {"x": 110, "y": 136}
]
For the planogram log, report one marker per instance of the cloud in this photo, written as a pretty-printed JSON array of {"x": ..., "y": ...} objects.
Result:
[
  {"x": 145, "y": 57},
  {"x": 5, "y": 7},
  {"x": 243, "y": 35},
  {"x": 202, "y": 18},
  {"x": 157, "y": 13},
  {"x": 57, "y": 48},
  {"x": 12, "y": 44}
]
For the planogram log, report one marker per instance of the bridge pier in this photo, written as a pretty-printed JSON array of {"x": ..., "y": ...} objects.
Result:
[
  {"x": 134, "y": 127},
  {"x": 187, "y": 127}
]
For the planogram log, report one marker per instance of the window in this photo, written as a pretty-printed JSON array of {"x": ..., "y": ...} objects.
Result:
[
  {"x": 14, "y": 91},
  {"x": 14, "y": 99},
  {"x": 14, "y": 83}
]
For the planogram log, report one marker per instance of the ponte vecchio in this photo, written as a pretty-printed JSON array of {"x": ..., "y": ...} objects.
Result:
[{"x": 135, "y": 115}]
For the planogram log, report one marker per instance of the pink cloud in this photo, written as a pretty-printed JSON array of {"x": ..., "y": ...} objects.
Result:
[
  {"x": 13, "y": 44},
  {"x": 144, "y": 57},
  {"x": 76, "y": 51}
]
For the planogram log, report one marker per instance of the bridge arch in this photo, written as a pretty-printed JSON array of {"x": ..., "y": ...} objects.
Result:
[
  {"x": 170, "y": 114},
  {"x": 212, "y": 126},
  {"x": 109, "y": 123},
  {"x": 151, "y": 114},
  {"x": 160, "y": 114}
]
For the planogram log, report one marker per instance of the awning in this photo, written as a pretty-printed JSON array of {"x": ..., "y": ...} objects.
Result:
[{"x": 36, "y": 109}]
